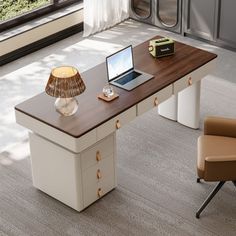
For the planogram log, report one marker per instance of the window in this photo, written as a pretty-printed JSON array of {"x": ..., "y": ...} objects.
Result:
[
  {"x": 15, "y": 12},
  {"x": 168, "y": 12},
  {"x": 142, "y": 8}
]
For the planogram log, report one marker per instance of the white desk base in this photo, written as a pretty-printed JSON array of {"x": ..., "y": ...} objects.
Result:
[
  {"x": 76, "y": 179},
  {"x": 168, "y": 108},
  {"x": 183, "y": 107},
  {"x": 189, "y": 106}
]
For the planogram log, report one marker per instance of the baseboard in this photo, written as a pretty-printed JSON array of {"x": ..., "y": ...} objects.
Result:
[{"x": 9, "y": 57}]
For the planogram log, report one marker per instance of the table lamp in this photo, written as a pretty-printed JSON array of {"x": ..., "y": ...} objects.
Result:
[{"x": 65, "y": 83}]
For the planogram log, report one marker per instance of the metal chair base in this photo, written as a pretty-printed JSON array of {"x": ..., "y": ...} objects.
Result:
[{"x": 212, "y": 194}]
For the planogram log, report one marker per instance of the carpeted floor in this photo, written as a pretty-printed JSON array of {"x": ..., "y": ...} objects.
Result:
[{"x": 157, "y": 193}]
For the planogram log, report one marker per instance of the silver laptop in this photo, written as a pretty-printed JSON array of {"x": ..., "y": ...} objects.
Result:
[{"x": 121, "y": 72}]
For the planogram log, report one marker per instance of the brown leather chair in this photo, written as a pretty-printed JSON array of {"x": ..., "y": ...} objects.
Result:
[{"x": 217, "y": 154}]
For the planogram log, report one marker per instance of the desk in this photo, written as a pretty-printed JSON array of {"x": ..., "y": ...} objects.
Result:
[{"x": 74, "y": 158}]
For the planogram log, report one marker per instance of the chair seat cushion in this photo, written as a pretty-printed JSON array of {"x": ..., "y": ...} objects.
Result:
[{"x": 211, "y": 145}]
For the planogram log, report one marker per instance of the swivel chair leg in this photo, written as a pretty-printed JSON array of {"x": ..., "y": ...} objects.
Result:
[{"x": 212, "y": 194}]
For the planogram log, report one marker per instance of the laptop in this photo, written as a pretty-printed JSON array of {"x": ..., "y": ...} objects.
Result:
[{"x": 121, "y": 72}]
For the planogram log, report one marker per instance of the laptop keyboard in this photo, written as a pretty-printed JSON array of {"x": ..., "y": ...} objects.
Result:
[{"x": 127, "y": 78}]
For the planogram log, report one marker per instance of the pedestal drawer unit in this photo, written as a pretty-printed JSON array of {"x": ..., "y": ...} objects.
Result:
[
  {"x": 76, "y": 179},
  {"x": 99, "y": 177},
  {"x": 98, "y": 180}
]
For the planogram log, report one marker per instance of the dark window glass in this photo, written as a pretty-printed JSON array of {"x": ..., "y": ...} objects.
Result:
[
  {"x": 142, "y": 8},
  {"x": 168, "y": 12}
]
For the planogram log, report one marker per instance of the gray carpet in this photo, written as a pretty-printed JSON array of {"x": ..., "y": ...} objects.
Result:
[{"x": 157, "y": 193}]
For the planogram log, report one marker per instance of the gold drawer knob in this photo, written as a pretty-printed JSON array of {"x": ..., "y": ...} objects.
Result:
[
  {"x": 118, "y": 125},
  {"x": 99, "y": 174},
  {"x": 150, "y": 48},
  {"x": 190, "y": 81},
  {"x": 99, "y": 192},
  {"x": 156, "y": 102},
  {"x": 98, "y": 156}
]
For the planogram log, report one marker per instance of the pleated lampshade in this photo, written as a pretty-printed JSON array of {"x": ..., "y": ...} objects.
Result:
[{"x": 65, "y": 82}]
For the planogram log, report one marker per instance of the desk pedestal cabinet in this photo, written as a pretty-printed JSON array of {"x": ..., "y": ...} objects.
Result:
[
  {"x": 77, "y": 179},
  {"x": 75, "y": 171}
]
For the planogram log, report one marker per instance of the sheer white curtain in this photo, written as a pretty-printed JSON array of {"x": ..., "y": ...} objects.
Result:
[{"x": 102, "y": 14}]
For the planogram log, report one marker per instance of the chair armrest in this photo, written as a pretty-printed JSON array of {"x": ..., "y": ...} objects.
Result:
[
  {"x": 220, "y": 126},
  {"x": 221, "y": 158},
  {"x": 220, "y": 168}
]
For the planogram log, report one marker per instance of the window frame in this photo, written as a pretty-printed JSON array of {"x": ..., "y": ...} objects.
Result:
[{"x": 28, "y": 16}]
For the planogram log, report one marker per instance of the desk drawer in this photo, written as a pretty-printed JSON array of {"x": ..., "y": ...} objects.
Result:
[
  {"x": 154, "y": 100},
  {"x": 98, "y": 172},
  {"x": 93, "y": 193},
  {"x": 193, "y": 77},
  {"x": 116, "y": 123},
  {"x": 98, "y": 152}
]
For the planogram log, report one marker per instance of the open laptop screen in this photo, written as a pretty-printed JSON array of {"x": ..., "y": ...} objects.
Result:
[{"x": 119, "y": 63}]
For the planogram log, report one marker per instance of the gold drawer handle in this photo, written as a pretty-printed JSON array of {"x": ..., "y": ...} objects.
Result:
[
  {"x": 98, "y": 156},
  {"x": 118, "y": 125},
  {"x": 156, "y": 103},
  {"x": 99, "y": 174},
  {"x": 190, "y": 82},
  {"x": 99, "y": 192}
]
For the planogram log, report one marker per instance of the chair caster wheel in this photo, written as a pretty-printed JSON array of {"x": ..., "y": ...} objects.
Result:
[
  {"x": 198, "y": 180},
  {"x": 197, "y": 215}
]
